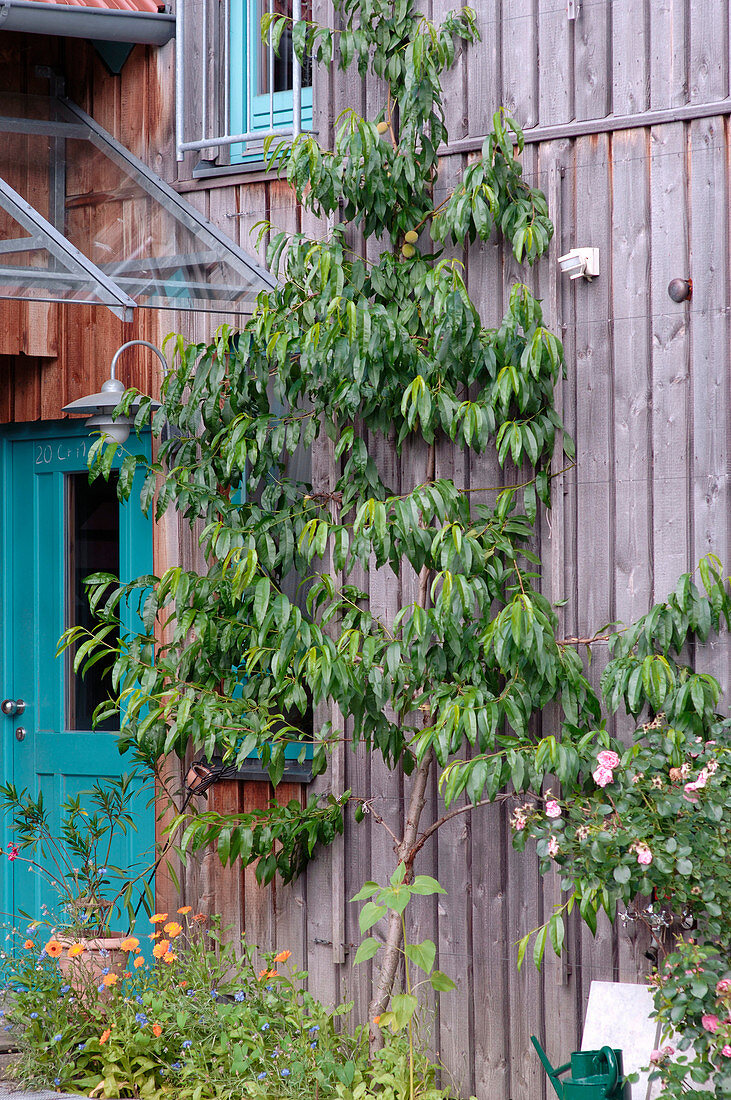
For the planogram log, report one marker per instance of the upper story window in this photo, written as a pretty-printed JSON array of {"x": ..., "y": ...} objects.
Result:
[{"x": 261, "y": 97}]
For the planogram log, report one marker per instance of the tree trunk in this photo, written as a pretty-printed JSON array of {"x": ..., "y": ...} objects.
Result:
[
  {"x": 405, "y": 851},
  {"x": 394, "y": 932}
]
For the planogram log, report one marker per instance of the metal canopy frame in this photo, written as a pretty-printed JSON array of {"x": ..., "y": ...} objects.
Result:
[{"x": 202, "y": 270}]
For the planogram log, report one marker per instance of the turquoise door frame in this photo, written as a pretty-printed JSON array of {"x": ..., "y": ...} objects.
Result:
[{"x": 35, "y": 543}]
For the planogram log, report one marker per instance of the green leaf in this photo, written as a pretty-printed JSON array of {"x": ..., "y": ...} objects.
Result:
[
  {"x": 403, "y": 1007},
  {"x": 441, "y": 982},
  {"x": 370, "y": 914},
  {"x": 367, "y": 890},
  {"x": 424, "y": 884},
  {"x": 539, "y": 946},
  {"x": 422, "y": 954},
  {"x": 366, "y": 950}
]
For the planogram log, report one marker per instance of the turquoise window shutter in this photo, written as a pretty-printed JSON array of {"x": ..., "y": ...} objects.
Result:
[{"x": 252, "y": 105}]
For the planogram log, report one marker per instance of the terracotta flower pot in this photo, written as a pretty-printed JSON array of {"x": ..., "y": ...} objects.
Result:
[{"x": 100, "y": 954}]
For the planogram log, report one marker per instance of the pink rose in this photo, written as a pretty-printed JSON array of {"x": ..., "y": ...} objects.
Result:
[
  {"x": 552, "y": 808},
  {"x": 726, "y": 1051},
  {"x": 710, "y": 1022},
  {"x": 689, "y": 792},
  {"x": 656, "y": 1057},
  {"x": 669, "y": 1051},
  {"x": 12, "y": 852},
  {"x": 553, "y": 847},
  {"x": 723, "y": 986},
  {"x": 602, "y": 776},
  {"x": 608, "y": 759},
  {"x": 644, "y": 855},
  {"x": 702, "y": 779}
]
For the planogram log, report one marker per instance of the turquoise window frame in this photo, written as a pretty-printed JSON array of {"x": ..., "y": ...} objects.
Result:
[{"x": 244, "y": 53}]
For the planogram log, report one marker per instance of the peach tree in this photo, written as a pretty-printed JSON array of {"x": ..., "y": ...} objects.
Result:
[{"x": 368, "y": 357}]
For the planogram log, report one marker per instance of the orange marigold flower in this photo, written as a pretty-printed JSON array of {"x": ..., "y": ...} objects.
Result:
[
  {"x": 157, "y": 918},
  {"x": 28, "y": 944},
  {"x": 173, "y": 929},
  {"x": 161, "y": 948},
  {"x": 139, "y": 962},
  {"x": 130, "y": 943},
  {"x": 185, "y": 909},
  {"x": 110, "y": 979},
  {"x": 75, "y": 949},
  {"x": 268, "y": 973},
  {"x": 282, "y": 956},
  {"x": 53, "y": 948},
  {"x": 105, "y": 1035},
  {"x": 156, "y": 1030},
  {"x": 127, "y": 974},
  {"x": 200, "y": 917},
  {"x": 376, "y": 1020},
  {"x": 183, "y": 985},
  {"x": 169, "y": 958},
  {"x": 154, "y": 935}
]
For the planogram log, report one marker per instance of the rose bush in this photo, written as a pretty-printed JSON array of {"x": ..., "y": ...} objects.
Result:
[{"x": 646, "y": 832}]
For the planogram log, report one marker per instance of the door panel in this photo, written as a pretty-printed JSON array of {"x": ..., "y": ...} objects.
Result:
[{"x": 41, "y": 533}]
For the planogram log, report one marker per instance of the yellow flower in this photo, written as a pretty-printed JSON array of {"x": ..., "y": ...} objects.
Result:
[
  {"x": 110, "y": 979},
  {"x": 75, "y": 949},
  {"x": 173, "y": 929},
  {"x": 161, "y": 948},
  {"x": 185, "y": 909},
  {"x": 129, "y": 944},
  {"x": 105, "y": 1035},
  {"x": 157, "y": 918},
  {"x": 282, "y": 956},
  {"x": 139, "y": 962},
  {"x": 53, "y": 948}
]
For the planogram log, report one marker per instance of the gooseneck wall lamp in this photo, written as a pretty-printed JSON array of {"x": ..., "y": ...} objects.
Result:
[{"x": 99, "y": 407}]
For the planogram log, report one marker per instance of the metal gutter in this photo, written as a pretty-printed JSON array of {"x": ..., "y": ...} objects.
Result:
[{"x": 100, "y": 24}]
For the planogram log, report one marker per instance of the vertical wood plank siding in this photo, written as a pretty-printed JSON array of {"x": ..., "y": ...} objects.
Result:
[{"x": 646, "y": 396}]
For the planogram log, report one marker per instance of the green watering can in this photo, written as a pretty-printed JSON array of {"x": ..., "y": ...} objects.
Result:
[{"x": 595, "y": 1074}]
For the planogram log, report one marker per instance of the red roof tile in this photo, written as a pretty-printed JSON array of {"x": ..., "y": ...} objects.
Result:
[{"x": 116, "y": 5}]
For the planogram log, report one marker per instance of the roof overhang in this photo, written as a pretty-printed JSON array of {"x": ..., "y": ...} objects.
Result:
[
  {"x": 100, "y": 24},
  {"x": 83, "y": 220}
]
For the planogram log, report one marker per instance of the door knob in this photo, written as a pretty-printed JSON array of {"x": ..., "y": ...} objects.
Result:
[
  {"x": 10, "y": 707},
  {"x": 20, "y": 734}
]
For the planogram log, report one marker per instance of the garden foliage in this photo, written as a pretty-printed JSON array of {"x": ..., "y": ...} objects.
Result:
[
  {"x": 199, "y": 1021},
  {"x": 387, "y": 353}
]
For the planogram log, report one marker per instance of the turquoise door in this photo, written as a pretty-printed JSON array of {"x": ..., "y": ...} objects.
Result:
[{"x": 57, "y": 529}]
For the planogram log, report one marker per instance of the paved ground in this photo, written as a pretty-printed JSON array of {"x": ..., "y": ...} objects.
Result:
[{"x": 7, "y": 1092}]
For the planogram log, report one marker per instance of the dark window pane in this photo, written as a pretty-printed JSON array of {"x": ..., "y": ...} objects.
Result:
[
  {"x": 92, "y": 540},
  {"x": 283, "y": 64}
]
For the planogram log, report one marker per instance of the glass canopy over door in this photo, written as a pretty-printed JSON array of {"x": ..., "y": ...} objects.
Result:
[{"x": 83, "y": 220}]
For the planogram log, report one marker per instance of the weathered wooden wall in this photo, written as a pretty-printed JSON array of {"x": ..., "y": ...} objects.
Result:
[
  {"x": 647, "y": 399},
  {"x": 629, "y": 111}
]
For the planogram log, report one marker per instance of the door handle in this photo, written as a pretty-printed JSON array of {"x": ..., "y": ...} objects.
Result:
[
  {"x": 20, "y": 733},
  {"x": 11, "y": 707}
]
